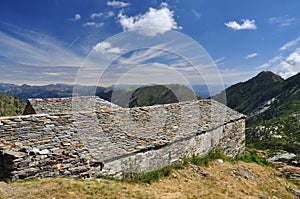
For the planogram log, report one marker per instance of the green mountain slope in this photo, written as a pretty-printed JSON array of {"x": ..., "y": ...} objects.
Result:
[
  {"x": 117, "y": 96},
  {"x": 273, "y": 108},
  {"x": 278, "y": 128},
  {"x": 246, "y": 97},
  {"x": 159, "y": 94},
  {"x": 148, "y": 95},
  {"x": 287, "y": 100},
  {"x": 11, "y": 105}
]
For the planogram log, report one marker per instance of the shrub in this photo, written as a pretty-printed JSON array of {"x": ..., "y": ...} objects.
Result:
[{"x": 253, "y": 157}]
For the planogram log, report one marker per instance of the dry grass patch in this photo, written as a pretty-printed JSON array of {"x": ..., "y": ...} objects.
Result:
[{"x": 227, "y": 180}]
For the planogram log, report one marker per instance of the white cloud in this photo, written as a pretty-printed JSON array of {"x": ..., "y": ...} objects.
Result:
[
  {"x": 282, "y": 21},
  {"x": 290, "y": 66},
  {"x": 160, "y": 74},
  {"x": 101, "y": 14},
  {"x": 164, "y": 4},
  {"x": 246, "y": 24},
  {"x": 262, "y": 66},
  {"x": 285, "y": 70},
  {"x": 95, "y": 15},
  {"x": 287, "y": 63},
  {"x": 252, "y": 55},
  {"x": 290, "y": 44},
  {"x": 110, "y": 14},
  {"x": 142, "y": 56},
  {"x": 76, "y": 17},
  {"x": 158, "y": 20},
  {"x": 219, "y": 61},
  {"x": 36, "y": 49},
  {"x": 52, "y": 73},
  {"x": 271, "y": 62},
  {"x": 117, "y": 4},
  {"x": 294, "y": 58},
  {"x": 276, "y": 59},
  {"x": 196, "y": 14},
  {"x": 93, "y": 24},
  {"x": 35, "y": 58},
  {"x": 106, "y": 47},
  {"x": 233, "y": 76}
]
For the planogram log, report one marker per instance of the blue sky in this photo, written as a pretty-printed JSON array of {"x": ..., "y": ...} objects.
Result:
[{"x": 48, "y": 41}]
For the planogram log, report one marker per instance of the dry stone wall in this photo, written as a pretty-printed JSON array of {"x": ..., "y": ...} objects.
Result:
[
  {"x": 41, "y": 146},
  {"x": 113, "y": 141}
]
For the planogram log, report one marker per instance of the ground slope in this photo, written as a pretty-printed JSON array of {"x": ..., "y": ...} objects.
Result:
[{"x": 227, "y": 180}]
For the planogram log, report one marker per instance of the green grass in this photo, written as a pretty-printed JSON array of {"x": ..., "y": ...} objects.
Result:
[
  {"x": 252, "y": 157},
  {"x": 186, "y": 184},
  {"x": 154, "y": 176},
  {"x": 212, "y": 155},
  {"x": 148, "y": 177}
]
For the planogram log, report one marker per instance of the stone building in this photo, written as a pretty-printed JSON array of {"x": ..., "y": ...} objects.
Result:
[{"x": 90, "y": 137}]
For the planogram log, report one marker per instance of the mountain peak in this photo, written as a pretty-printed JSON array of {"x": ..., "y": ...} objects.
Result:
[
  {"x": 268, "y": 76},
  {"x": 265, "y": 96},
  {"x": 247, "y": 96}
]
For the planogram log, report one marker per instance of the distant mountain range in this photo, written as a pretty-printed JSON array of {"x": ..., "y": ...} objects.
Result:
[
  {"x": 272, "y": 105},
  {"x": 263, "y": 97},
  {"x": 121, "y": 95},
  {"x": 25, "y": 91}
]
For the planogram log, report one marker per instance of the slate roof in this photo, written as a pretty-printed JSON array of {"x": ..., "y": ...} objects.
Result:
[
  {"x": 129, "y": 130},
  {"x": 110, "y": 131}
]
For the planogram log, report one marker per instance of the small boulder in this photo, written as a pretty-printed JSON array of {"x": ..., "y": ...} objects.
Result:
[{"x": 285, "y": 157}]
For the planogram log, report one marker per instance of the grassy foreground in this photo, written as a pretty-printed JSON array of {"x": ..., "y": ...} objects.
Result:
[{"x": 218, "y": 180}]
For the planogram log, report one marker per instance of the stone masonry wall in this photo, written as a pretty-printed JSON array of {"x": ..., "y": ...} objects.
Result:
[
  {"x": 113, "y": 141},
  {"x": 41, "y": 146},
  {"x": 231, "y": 139}
]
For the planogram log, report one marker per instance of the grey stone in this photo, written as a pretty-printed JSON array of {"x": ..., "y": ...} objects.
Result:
[
  {"x": 285, "y": 157},
  {"x": 44, "y": 152},
  {"x": 16, "y": 154},
  {"x": 34, "y": 151}
]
